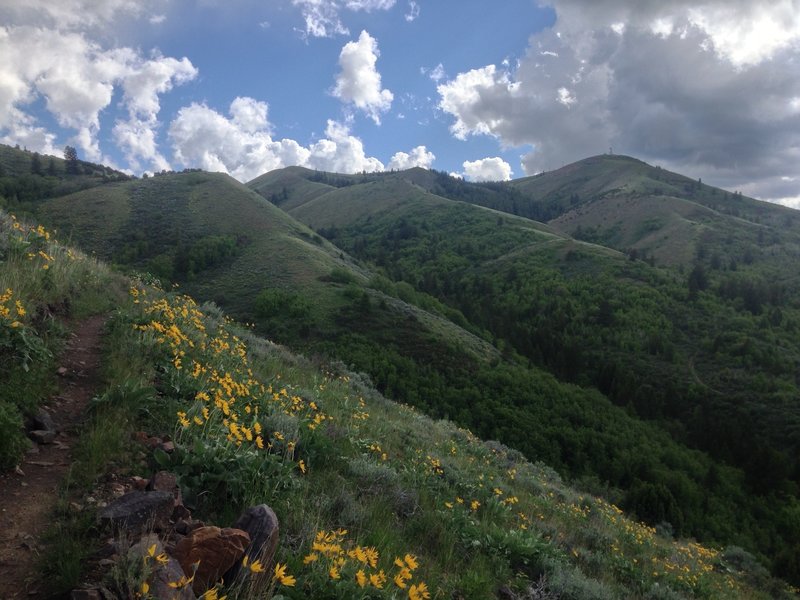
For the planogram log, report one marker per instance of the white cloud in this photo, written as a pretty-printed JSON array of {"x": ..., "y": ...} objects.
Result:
[
  {"x": 157, "y": 19},
  {"x": 137, "y": 138},
  {"x": 467, "y": 96},
  {"x": 358, "y": 82},
  {"x": 76, "y": 78},
  {"x": 413, "y": 11},
  {"x": 369, "y": 5},
  {"x": 418, "y": 157},
  {"x": 73, "y": 14},
  {"x": 323, "y": 17},
  {"x": 435, "y": 74},
  {"x": 242, "y": 143},
  {"x": 341, "y": 152},
  {"x": 689, "y": 85},
  {"x": 744, "y": 32},
  {"x": 487, "y": 169}
]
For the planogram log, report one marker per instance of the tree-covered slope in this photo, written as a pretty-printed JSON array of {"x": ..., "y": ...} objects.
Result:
[
  {"x": 711, "y": 356},
  {"x": 373, "y": 499}
]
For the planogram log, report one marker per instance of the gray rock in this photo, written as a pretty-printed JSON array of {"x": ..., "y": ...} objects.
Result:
[
  {"x": 137, "y": 511},
  {"x": 261, "y": 524},
  {"x": 162, "y": 575},
  {"x": 43, "y": 420},
  {"x": 86, "y": 594},
  {"x": 41, "y": 436}
]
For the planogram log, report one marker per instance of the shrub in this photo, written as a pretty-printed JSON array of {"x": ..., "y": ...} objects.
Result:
[{"x": 12, "y": 441}]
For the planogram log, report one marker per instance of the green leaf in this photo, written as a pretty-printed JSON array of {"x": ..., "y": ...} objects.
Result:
[{"x": 161, "y": 457}]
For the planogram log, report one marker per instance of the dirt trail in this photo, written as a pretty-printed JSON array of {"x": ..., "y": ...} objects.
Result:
[{"x": 27, "y": 497}]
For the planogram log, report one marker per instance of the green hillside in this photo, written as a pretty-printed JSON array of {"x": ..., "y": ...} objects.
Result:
[
  {"x": 28, "y": 177},
  {"x": 709, "y": 355},
  {"x": 605, "y": 368},
  {"x": 374, "y": 499}
]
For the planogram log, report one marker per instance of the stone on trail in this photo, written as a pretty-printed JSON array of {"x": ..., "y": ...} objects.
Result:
[
  {"x": 261, "y": 524},
  {"x": 214, "y": 551},
  {"x": 137, "y": 511}
]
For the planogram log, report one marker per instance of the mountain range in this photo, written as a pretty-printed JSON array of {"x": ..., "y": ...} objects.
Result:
[{"x": 632, "y": 328}]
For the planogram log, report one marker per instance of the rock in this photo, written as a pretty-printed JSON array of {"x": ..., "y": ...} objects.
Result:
[
  {"x": 217, "y": 550},
  {"x": 164, "y": 481},
  {"x": 42, "y": 436},
  {"x": 162, "y": 575},
  {"x": 180, "y": 512},
  {"x": 168, "y": 482},
  {"x": 107, "y": 550},
  {"x": 139, "y": 483},
  {"x": 43, "y": 420},
  {"x": 137, "y": 511},
  {"x": 117, "y": 490},
  {"x": 88, "y": 594},
  {"x": 168, "y": 447},
  {"x": 261, "y": 524},
  {"x": 181, "y": 526},
  {"x": 62, "y": 371}
]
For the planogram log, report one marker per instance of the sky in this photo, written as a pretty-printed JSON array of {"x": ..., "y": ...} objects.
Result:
[{"x": 482, "y": 90}]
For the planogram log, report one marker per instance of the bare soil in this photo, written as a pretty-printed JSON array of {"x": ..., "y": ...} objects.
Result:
[{"x": 27, "y": 496}]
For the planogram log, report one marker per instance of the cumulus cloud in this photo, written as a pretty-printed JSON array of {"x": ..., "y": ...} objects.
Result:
[
  {"x": 241, "y": 143},
  {"x": 322, "y": 17},
  {"x": 418, "y": 157},
  {"x": 487, "y": 169},
  {"x": 48, "y": 53},
  {"x": 341, "y": 152},
  {"x": 358, "y": 82},
  {"x": 742, "y": 31},
  {"x": 78, "y": 15},
  {"x": 692, "y": 86}
]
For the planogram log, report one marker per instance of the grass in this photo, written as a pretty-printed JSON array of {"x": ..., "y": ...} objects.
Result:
[
  {"x": 469, "y": 516},
  {"x": 337, "y": 455},
  {"x": 473, "y": 516}
]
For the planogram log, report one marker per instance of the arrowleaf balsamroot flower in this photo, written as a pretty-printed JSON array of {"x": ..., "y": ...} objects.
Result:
[
  {"x": 281, "y": 576},
  {"x": 419, "y": 592}
]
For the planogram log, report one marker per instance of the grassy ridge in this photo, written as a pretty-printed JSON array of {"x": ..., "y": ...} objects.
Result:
[
  {"x": 351, "y": 473},
  {"x": 710, "y": 356},
  {"x": 374, "y": 499}
]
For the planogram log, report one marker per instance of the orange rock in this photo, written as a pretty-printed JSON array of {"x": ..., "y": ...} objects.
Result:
[{"x": 214, "y": 551}]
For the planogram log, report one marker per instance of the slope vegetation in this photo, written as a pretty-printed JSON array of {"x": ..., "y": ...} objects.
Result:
[
  {"x": 710, "y": 355},
  {"x": 374, "y": 499}
]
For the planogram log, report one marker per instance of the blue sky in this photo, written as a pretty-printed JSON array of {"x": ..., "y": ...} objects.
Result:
[{"x": 485, "y": 90}]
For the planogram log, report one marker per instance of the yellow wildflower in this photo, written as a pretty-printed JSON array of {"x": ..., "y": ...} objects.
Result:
[
  {"x": 281, "y": 576},
  {"x": 419, "y": 592},
  {"x": 378, "y": 579},
  {"x": 361, "y": 578}
]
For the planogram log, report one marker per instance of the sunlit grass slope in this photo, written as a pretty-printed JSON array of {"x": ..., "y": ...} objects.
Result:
[
  {"x": 376, "y": 500},
  {"x": 627, "y": 204},
  {"x": 42, "y": 285},
  {"x": 708, "y": 355}
]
